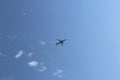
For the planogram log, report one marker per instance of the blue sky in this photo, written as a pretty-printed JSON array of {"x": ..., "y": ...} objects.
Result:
[{"x": 29, "y": 30}]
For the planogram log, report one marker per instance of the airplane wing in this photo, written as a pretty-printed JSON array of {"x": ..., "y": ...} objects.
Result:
[
  {"x": 57, "y": 43},
  {"x": 58, "y": 39},
  {"x": 64, "y": 40}
]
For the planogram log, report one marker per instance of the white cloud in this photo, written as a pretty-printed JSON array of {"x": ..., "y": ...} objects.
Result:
[
  {"x": 20, "y": 53},
  {"x": 58, "y": 73},
  {"x": 43, "y": 43},
  {"x": 42, "y": 69},
  {"x": 33, "y": 63}
]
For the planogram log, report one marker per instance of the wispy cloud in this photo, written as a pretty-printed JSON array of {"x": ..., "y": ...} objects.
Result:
[
  {"x": 43, "y": 43},
  {"x": 42, "y": 69},
  {"x": 58, "y": 73},
  {"x": 19, "y": 54},
  {"x": 33, "y": 63},
  {"x": 60, "y": 76},
  {"x": 30, "y": 54}
]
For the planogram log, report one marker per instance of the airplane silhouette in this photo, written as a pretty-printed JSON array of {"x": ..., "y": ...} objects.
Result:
[{"x": 60, "y": 42}]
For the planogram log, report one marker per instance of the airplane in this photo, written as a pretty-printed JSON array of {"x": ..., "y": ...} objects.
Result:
[{"x": 60, "y": 42}]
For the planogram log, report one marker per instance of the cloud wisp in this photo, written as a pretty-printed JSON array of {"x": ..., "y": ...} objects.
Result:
[
  {"x": 30, "y": 54},
  {"x": 33, "y": 63},
  {"x": 43, "y": 43},
  {"x": 42, "y": 69},
  {"x": 19, "y": 54},
  {"x": 58, "y": 73},
  {"x": 38, "y": 66}
]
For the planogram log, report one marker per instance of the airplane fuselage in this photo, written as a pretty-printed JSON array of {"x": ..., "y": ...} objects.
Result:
[{"x": 60, "y": 42}]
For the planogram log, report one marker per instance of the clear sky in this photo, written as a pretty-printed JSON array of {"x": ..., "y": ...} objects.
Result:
[{"x": 29, "y": 30}]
